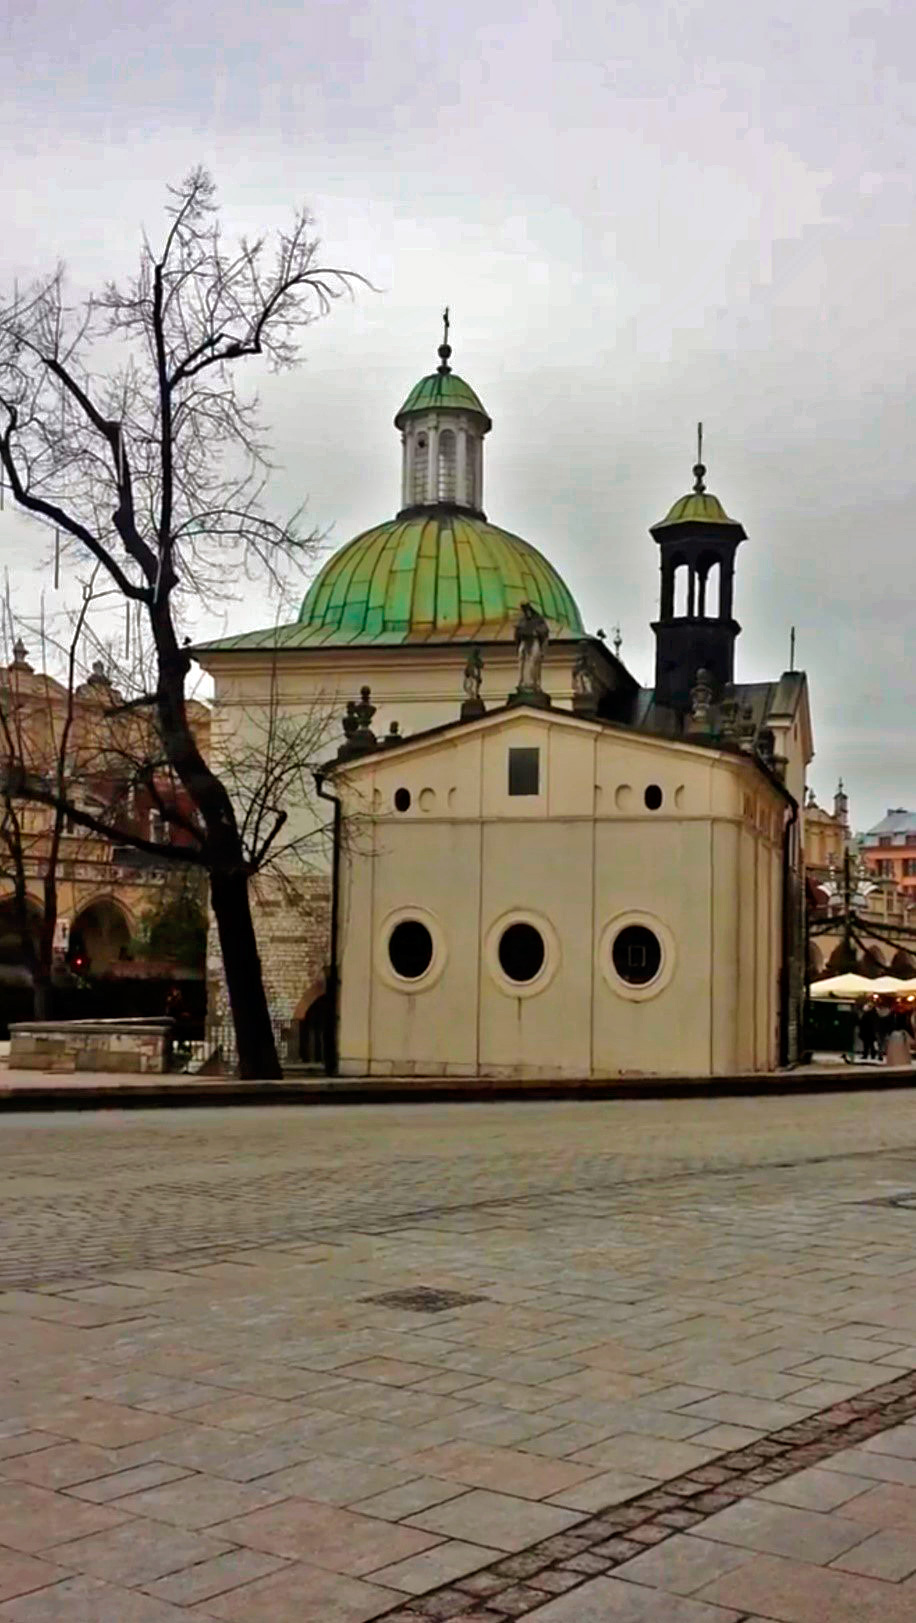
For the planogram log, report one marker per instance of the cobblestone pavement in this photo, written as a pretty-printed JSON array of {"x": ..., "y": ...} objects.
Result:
[{"x": 673, "y": 1384}]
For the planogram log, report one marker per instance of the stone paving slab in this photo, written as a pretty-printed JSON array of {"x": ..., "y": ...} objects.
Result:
[
  {"x": 89, "y": 1601},
  {"x": 211, "y": 1328}
]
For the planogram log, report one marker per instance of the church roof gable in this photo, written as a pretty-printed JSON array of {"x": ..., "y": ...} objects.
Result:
[{"x": 512, "y": 716}]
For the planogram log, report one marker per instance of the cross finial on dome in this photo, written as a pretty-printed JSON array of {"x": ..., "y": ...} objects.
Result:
[
  {"x": 445, "y": 348},
  {"x": 699, "y": 471}
]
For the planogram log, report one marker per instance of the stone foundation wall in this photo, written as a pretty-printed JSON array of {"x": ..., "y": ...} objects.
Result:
[
  {"x": 65, "y": 1046},
  {"x": 292, "y": 920}
]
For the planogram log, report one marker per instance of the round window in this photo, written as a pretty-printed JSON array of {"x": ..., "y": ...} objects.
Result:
[
  {"x": 521, "y": 952},
  {"x": 637, "y": 955},
  {"x": 402, "y": 800},
  {"x": 410, "y": 949},
  {"x": 653, "y": 797}
]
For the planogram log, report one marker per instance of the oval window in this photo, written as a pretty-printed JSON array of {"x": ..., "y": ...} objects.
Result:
[
  {"x": 410, "y": 949},
  {"x": 521, "y": 952},
  {"x": 402, "y": 800},
  {"x": 637, "y": 955},
  {"x": 653, "y": 797}
]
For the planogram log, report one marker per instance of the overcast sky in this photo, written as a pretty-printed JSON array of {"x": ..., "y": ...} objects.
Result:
[{"x": 641, "y": 215}]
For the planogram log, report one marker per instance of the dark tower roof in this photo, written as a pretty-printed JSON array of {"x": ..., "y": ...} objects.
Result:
[{"x": 695, "y": 629}]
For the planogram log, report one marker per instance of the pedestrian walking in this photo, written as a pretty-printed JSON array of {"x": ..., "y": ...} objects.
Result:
[
  {"x": 868, "y": 1029},
  {"x": 885, "y": 1023}
]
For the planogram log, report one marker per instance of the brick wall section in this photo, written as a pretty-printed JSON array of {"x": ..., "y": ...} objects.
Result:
[{"x": 292, "y": 919}]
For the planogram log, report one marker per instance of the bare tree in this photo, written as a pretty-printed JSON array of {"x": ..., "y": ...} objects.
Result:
[
  {"x": 155, "y": 469},
  {"x": 36, "y": 736},
  {"x": 90, "y": 754}
]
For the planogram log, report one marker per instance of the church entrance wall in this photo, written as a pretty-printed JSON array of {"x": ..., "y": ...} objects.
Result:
[{"x": 561, "y": 949}]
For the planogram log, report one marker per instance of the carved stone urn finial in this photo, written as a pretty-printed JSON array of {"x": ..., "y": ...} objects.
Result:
[{"x": 359, "y": 738}]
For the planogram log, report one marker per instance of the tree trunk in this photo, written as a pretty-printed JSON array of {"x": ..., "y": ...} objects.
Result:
[
  {"x": 229, "y": 879},
  {"x": 41, "y": 998},
  {"x": 44, "y": 966},
  {"x": 257, "y": 1049}
]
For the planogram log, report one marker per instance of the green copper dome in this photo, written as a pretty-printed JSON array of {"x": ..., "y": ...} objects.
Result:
[
  {"x": 699, "y": 507},
  {"x": 438, "y": 572},
  {"x": 441, "y": 391},
  {"x": 432, "y": 577}
]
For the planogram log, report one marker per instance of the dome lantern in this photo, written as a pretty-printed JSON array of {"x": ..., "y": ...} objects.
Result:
[
  {"x": 442, "y": 425},
  {"x": 438, "y": 572}
]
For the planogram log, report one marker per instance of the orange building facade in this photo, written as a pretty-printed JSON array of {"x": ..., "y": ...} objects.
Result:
[
  {"x": 889, "y": 849},
  {"x": 105, "y": 888}
]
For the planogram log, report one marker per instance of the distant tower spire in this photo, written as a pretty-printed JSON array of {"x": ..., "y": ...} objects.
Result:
[
  {"x": 841, "y": 804},
  {"x": 618, "y": 642},
  {"x": 445, "y": 348},
  {"x": 699, "y": 471}
]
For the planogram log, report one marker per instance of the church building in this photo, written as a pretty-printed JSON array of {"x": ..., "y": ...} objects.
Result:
[{"x": 536, "y": 867}]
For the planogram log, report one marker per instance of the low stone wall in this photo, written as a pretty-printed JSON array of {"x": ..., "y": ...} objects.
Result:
[{"x": 66, "y": 1046}]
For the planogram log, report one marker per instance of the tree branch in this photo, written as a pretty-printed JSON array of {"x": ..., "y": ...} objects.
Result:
[
  {"x": 113, "y": 432},
  {"x": 31, "y": 790},
  {"x": 59, "y": 518}
]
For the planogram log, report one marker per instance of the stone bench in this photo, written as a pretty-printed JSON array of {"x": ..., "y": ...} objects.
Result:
[{"x": 66, "y": 1046}]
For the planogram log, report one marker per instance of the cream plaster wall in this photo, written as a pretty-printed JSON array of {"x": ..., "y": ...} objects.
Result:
[
  {"x": 722, "y": 893},
  {"x": 418, "y": 687},
  {"x": 466, "y": 857}
]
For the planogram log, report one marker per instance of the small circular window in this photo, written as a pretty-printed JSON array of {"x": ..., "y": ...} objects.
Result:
[
  {"x": 402, "y": 800},
  {"x": 653, "y": 797},
  {"x": 410, "y": 949},
  {"x": 637, "y": 955},
  {"x": 521, "y": 952}
]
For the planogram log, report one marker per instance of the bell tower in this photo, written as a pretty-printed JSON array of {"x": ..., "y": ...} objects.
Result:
[{"x": 696, "y": 628}]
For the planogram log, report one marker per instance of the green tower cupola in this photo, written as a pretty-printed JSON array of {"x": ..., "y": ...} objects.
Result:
[
  {"x": 438, "y": 571},
  {"x": 442, "y": 425}
]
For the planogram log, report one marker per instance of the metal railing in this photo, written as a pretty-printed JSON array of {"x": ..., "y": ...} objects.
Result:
[{"x": 220, "y": 1041}]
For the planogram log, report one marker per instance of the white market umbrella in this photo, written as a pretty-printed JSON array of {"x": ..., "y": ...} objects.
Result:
[
  {"x": 842, "y": 986},
  {"x": 892, "y": 986}
]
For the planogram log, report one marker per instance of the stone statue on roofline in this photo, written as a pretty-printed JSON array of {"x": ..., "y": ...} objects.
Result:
[
  {"x": 702, "y": 695},
  {"x": 728, "y": 717},
  {"x": 532, "y": 635},
  {"x": 472, "y": 704},
  {"x": 747, "y": 729},
  {"x": 584, "y": 682},
  {"x": 701, "y": 700}
]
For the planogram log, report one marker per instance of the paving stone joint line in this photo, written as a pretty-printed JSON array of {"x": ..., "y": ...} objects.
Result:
[{"x": 517, "y": 1584}]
